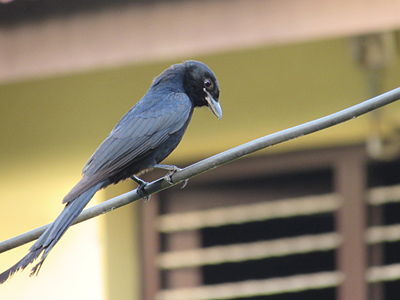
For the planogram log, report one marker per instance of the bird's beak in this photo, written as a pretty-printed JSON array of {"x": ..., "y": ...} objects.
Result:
[{"x": 213, "y": 105}]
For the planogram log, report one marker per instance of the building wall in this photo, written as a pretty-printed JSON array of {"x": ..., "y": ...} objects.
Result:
[{"x": 50, "y": 126}]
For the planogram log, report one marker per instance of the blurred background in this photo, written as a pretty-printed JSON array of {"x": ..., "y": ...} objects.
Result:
[{"x": 314, "y": 218}]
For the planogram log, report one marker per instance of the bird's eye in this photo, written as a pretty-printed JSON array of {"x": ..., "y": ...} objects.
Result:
[{"x": 208, "y": 84}]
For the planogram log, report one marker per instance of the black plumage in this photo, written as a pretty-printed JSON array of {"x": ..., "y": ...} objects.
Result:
[{"x": 146, "y": 135}]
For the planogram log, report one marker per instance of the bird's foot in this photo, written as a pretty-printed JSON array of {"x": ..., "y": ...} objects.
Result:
[
  {"x": 141, "y": 187},
  {"x": 172, "y": 170}
]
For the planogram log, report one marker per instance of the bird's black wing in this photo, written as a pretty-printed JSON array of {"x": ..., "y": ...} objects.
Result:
[
  {"x": 139, "y": 132},
  {"x": 146, "y": 126}
]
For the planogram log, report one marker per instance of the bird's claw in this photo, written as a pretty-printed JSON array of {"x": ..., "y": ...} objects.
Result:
[
  {"x": 168, "y": 177},
  {"x": 141, "y": 188},
  {"x": 184, "y": 184},
  {"x": 142, "y": 192}
]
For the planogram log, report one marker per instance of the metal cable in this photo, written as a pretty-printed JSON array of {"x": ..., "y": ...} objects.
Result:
[{"x": 221, "y": 159}]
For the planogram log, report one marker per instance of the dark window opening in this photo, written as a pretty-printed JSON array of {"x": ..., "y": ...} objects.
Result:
[{"x": 269, "y": 268}]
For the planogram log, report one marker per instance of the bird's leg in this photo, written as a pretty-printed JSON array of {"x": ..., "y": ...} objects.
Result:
[
  {"x": 140, "y": 189},
  {"x": 172, "y": 170}
]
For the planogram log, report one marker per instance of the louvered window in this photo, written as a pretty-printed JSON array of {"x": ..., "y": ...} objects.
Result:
[{"x": 290, "y": 226}]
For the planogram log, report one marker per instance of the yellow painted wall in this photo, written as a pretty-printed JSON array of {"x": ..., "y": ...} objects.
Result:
[
  {"x": 121, "y": 248},
  {"x": 30, "y": 196},
  {"x": 50, "y": 126}
]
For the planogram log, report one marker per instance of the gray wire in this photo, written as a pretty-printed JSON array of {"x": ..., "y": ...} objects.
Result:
[{"x": 219, "y": 160}]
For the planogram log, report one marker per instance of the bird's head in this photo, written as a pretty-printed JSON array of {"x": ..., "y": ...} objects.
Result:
[{"x": 201, "y": 85}]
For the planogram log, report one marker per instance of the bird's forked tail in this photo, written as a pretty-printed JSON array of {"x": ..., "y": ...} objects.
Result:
[{"x": 52, "y": 234}]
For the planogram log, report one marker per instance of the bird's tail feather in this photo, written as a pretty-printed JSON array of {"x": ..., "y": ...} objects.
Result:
[{"x": 52, "y": 234}]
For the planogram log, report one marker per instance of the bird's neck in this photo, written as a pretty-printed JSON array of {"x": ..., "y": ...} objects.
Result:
[{"x": 169, "y": 79}]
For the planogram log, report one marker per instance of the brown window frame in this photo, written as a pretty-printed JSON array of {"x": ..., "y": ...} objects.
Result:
[{"x": 350, "y": 183}]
